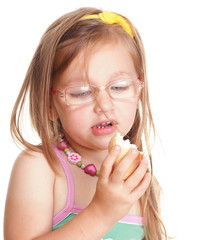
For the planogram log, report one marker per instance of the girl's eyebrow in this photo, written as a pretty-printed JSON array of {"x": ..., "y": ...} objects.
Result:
[
  {"x": 81, "y": 80},
  {"x": 74, "y": 81},
  {"x": 120, "y": 73}
]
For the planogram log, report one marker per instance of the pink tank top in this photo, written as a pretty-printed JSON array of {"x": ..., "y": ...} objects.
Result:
[{"x": 70, "y": 207}]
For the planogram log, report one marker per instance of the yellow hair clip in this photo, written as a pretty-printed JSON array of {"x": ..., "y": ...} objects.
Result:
[{"x": 112, "y": 18}]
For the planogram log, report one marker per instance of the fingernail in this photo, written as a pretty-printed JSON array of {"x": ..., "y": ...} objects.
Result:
[
  {"x": 134, "y": 151},
  {"x": 117, "y": 148},
  {"x": 146, "y": 161}
]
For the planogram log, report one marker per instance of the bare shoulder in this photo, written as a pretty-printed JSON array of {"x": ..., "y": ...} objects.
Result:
[
  {"x": 33, "y": 161},
  {"x": 30, "y": 197},
  {"x": 29, "y": 155},
  {"x": 31, "y": 166}
]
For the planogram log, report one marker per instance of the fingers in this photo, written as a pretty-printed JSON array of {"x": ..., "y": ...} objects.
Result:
[
  {"x": 136, "y": 177},
  {"x": 111, "y": 188},
  {"x": 122, "y": 167},
  {"x": 141, "y": 188},
  {"x": 136, "y": 184},
  {"x": 107, "y": 164}
]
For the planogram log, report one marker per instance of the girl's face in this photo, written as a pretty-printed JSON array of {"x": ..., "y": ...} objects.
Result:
[{"x": 91, "y": 125}]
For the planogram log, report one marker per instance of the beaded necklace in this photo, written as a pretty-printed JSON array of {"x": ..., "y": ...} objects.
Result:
[{"x": 74, "y": 158}]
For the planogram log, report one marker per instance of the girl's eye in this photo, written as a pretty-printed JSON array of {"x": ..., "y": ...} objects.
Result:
[
  {"x": 122, "y": 89},
  {"x": 79, "y": 92},
  {"x": 80, "y": 95},
  {"x": 118, "y": 88}
]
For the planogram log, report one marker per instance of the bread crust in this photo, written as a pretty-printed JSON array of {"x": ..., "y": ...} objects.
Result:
[{"x": 124, "y": 149}]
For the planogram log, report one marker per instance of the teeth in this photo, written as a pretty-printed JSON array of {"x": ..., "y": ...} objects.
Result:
[{"x": 104, "y": 125}]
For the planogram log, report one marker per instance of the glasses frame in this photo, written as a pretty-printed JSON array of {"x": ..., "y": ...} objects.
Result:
[{"x": 62, "y": 94}]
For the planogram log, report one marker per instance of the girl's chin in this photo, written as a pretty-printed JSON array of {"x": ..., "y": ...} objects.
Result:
[{"x": 97, "y": 139}]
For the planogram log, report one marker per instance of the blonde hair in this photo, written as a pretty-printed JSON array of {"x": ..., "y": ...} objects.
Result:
[{"x": 60, "y": 44}]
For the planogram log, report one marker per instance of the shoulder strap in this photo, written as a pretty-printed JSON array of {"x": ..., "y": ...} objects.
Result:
[{"x": 70, "y": 189}]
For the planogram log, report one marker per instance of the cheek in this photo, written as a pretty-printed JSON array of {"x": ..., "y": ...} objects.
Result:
[
  {"x": 73, "y": 118},
  {"x": 128, "y": 108},
  {"x": 126, "y": 115},
  {"x": 129, "y": 111}
]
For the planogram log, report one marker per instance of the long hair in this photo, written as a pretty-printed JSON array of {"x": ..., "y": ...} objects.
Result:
[{"x": 59, "y": 46}]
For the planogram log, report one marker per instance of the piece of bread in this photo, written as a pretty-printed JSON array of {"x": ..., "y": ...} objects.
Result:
[{"x": 125, "y": 145}]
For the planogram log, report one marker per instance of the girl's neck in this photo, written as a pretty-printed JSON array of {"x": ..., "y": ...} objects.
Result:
[{"x": 95, "y": 156}]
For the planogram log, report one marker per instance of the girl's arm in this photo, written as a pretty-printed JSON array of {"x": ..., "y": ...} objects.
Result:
[{"x": 29, "y": 206}]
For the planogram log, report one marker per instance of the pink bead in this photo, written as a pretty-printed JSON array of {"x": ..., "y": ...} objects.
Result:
[
  {"x": 62, "y": 145},
  {"x": 74, "y": 158},
  {"x": 90, "y": 169}
]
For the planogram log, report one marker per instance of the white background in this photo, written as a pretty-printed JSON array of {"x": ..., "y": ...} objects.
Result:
[{"x": 179, "y": 41}]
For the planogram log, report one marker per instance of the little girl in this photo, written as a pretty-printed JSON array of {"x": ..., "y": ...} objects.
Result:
[{"x": 86, "y": 82}]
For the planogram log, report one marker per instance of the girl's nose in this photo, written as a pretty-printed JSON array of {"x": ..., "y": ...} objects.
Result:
[{"x": 103, "y": 102}]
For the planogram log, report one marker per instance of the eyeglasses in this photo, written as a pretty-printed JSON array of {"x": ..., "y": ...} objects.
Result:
[{"x": 82, "y": 94}]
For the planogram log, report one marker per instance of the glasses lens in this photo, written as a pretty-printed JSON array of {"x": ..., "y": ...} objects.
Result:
[
  {"x": 120, "y": 89},
  {"x": 79, "y": 95},
  {"x": 125, "y": 88}
]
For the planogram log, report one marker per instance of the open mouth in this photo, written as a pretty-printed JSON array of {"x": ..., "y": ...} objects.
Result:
[{"x": 104, "y": 125}]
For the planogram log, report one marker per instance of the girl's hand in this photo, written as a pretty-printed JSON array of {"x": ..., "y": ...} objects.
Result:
[{"x": 114, "y": 196}]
